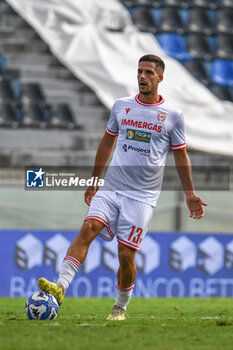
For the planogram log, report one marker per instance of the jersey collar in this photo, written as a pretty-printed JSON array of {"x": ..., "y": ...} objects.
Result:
[{"x": 149, "y": 104}]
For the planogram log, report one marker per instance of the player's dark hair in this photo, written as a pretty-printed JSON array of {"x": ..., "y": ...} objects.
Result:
[{"x": 153, "y": 58}]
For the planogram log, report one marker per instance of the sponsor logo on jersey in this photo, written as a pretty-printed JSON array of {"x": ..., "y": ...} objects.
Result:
[
  {"x": 125, "y": 147},
  {"x": 141, "y": 151},
  {"x": 127, "y": 110},
  {"x": 141, "y": 125},
  {"x": 162, "y": 116},
  {"x": 138, "y": 135}
]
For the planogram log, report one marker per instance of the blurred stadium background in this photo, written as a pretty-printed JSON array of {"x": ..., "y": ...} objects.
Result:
[{"x": 53, "y": 114}]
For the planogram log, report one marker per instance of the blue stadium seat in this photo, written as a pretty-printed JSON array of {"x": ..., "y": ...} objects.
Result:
[
  {"x": 224, "y": 46},
  {"x": 222, "y": 72},
  {"x": 223, "y": 93},
  {"x": 62, "y": 117},
  {"x": 171, "y": 21},
  {"x": 10, "y": 90},
  {"x": 4, "y": 71},
  {"x": 143, "y": 18},
  {"x": 35, "y": 116},
  {"x": 198, "y": 70},
  {"x": 3, "y": 64},
  {"x": 225, "y": 21},
  {"x": 199, "y": 47},
  {"x": 200, "y": 21},
  {"x": 32, "y": 92},
  {"x": 9, "y": 115},
  {"x": 174, "y": 46}
]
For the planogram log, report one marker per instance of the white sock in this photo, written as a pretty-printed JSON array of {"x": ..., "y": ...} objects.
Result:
[
  {"x": 69, "y": 268},
  {"x": 123, "y": 296}
]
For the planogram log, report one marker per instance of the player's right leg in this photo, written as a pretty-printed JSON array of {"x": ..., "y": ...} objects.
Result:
[
  {"x": 75, "y": 256},
  {"x": 54, "y": 288}
]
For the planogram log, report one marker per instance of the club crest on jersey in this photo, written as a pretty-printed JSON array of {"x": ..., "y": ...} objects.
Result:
[
  {"x": 162, "y": 116},
  {"x": 127, "y": 110}
]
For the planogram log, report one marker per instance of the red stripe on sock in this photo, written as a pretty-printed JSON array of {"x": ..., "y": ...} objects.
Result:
[
  {"x": 124, "y": 289},
  {"x": 72, "y": 264},
  {"x": 73, "y": 260}
]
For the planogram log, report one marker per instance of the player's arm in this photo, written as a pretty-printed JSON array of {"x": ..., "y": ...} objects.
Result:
[
  {"x": 103, "y": 154},
  {"x": 184, "y": 169}
]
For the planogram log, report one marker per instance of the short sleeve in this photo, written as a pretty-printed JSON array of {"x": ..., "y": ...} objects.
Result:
[
  {"x": 177, "y": 134},
  {"x": 112, "y": 125}
]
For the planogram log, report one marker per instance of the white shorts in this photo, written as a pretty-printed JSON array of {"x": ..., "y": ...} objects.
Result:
[{"x": 122, "y": 216}]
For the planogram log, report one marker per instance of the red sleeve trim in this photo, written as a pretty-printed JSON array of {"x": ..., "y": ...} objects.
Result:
[
  {"x": 178, "y": 149},
  {"x": 111, "y": 133}
]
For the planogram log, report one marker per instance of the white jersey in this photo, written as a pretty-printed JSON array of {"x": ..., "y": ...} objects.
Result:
[{"x": 145, "y": 134}]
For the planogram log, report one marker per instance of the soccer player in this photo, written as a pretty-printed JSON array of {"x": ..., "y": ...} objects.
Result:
[{"x": 145, "y": 127}]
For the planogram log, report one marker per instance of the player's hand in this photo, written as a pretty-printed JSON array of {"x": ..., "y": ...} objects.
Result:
[
  {"x": 89, "y": 194},
  {"x": 196, "y": 206}
]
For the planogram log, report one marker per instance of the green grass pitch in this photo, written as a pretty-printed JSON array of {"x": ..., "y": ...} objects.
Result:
[{"x": 153, "y": 324}]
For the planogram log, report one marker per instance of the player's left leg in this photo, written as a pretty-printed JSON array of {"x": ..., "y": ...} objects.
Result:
[
  {"x": 132, "y": 225},
  {"x": 125, "y": 282}
]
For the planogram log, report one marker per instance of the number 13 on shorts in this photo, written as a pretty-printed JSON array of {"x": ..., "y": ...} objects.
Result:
[{"x": 135, "y": 235}]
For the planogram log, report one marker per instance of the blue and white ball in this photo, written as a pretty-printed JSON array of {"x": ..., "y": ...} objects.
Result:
[{"x": 41, "y": 306}]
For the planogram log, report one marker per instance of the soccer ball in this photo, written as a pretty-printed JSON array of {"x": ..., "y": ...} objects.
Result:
[{"x": 41, "y": 306}]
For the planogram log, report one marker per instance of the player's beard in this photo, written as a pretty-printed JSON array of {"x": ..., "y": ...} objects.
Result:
[
  {"x": 148, "y": 92},
  {"x": 148, "y": 89}
]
